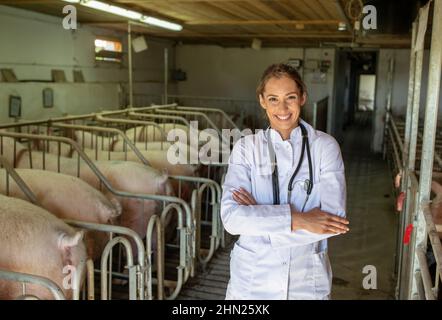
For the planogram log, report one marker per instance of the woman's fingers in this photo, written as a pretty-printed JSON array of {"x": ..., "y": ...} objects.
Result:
[
  {"x": 248, "y": 195},
  {"x": 333, "y": 230},
  {"x": 240, "y": 198},
  {"x": 243, "y": 197},
  {"x": 337, "y": 219},
  {"x": 337, "y": 225}
]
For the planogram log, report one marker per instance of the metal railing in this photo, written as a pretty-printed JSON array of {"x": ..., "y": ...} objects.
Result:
[
  {"x": 414, "y": 281},
  {"x": 33, "y": 279}
]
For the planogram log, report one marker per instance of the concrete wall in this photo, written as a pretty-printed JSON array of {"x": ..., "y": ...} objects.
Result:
[
  {"x": 235, "y": 72},
  {"x": 33, "y": 44}
]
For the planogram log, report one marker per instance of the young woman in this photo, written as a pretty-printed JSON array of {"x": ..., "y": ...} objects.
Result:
[{"x": 284, "y": 194}]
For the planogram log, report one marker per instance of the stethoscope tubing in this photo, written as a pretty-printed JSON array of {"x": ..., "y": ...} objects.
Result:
[{"x": 275, "y": 179}]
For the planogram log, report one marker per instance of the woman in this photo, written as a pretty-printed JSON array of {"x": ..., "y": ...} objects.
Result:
[{"x": 282, "y": 249}]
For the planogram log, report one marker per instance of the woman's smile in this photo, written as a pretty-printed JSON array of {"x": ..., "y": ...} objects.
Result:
[{"x": 285, "y": 117}]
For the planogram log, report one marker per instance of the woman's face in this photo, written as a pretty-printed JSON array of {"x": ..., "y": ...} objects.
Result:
[{"x": 282, "y": 101}]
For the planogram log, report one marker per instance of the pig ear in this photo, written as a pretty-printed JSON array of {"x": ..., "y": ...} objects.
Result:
[
  {"x": 118, "y": 207},
  {"x": 66, "y": 241},
  {"x": 436, "y": 187}
]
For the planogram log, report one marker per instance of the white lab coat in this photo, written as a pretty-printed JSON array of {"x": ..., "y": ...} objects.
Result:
[{"x": 269, "y": 261}]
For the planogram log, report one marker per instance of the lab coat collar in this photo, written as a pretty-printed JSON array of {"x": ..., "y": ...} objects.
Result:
[{"x": 295, "y": 135}]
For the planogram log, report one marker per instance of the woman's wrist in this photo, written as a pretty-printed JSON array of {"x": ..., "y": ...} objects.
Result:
[{"x": 297, "y": 221}]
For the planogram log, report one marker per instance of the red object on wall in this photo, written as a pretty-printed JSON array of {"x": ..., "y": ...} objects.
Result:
[{"x": 407, "y": 234}]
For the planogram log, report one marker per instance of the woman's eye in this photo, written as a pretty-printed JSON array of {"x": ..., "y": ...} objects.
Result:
[
  {"x": 273, "y": 100},
  {"x": 293, "y": 97}
]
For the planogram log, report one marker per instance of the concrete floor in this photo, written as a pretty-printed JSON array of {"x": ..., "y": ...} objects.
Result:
[{"x": 373, "y": 223}]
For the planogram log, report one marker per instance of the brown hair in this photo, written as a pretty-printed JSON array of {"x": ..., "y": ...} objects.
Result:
[{"x": 279, "y": 70}]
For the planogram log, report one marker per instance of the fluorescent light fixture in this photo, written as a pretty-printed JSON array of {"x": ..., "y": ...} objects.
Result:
[
  {"x": 112, "y": 9},
  {"x": 133, "y": 15},
  {"x": 342, "y": 26},
  {"x": 161, "y": 23}
]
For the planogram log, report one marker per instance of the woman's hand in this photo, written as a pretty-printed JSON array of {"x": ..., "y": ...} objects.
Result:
[
  {"x": 318, "y": 221},
  {"x": 243, "y": 197}
]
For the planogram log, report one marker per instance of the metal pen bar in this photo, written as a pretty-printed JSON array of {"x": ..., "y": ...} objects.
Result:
[
  {"x": 34, "y": 279},
  {"x": 431, "y": 110},
  {"x": 19, "y": 181}
]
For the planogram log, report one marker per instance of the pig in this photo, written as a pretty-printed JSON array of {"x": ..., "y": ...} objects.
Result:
[
  {"x": 91, "y": 140},
  {"x": 122, "y": 175},
  {"x": 36, "y": 242},
  {"x": 68, "y": 197},
  {"x": 151, "y": 133},
  {"x": 157, "y": 160}
]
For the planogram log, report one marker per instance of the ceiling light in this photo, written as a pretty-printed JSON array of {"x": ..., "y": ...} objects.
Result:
[
  {"x": 342, "y": 26},
  {"x": 129, "y": 14},
  {"x": 112, "y": 9},
  {"x": 161, "y": 23}
]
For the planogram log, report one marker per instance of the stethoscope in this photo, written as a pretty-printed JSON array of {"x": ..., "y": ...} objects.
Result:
[{"x": 275, "y": 181}]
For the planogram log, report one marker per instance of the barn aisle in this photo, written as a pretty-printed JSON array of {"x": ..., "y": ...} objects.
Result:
[{"x": 370, "y": 210}]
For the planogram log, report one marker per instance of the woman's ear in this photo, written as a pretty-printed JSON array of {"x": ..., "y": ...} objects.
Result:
[
  {"x": 303, "y": 99},
  {"x": 262, "y": 102}
]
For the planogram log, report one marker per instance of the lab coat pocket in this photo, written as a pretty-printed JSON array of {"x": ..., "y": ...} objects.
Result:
[
  {"x": 242, "y": 265},
  {"x": 322, "y": 274}
]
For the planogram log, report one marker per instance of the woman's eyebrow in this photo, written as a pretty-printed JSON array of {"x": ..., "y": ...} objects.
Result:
[{"x": 293, "y": 92}]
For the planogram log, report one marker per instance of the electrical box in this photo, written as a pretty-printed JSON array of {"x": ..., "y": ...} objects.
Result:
[
  {"x": 324, "y": 65},
  {"x": 296, "y": 63}
]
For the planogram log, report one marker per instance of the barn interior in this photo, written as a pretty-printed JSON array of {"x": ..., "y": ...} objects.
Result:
[{"x": 83, "y": 82}]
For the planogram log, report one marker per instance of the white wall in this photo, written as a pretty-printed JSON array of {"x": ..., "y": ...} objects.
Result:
[
  {"x": 32, "y": 44},
  {"x": 234, "y": 73},
  {"x": 72, "y": 98}
]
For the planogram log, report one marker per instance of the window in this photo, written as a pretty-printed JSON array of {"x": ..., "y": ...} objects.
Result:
[{"x": 108, "y": 50}]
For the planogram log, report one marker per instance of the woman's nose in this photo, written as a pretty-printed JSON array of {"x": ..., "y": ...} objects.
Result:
[{"x": 284, "y": 105}]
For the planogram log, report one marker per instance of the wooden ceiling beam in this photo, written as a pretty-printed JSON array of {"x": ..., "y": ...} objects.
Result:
[
  {"x": 260, "y": 35},
  {"x": 24, "y": 2},
  {"x": 262, "y": 22}
]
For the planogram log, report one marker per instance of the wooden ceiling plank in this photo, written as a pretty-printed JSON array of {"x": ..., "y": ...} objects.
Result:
[
  {"x": 295, "y": 15},
  {"x": 311, "y": 5},
  {"x": 168, "y": 9},
  {"x": 266, "y": 10},
  {"x": 326, "y": 9},
  {"x": 236, "y": 10},
  {"x": 299, "y": 7}
]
